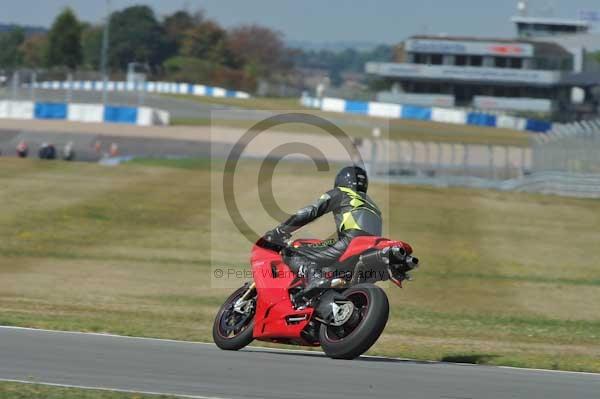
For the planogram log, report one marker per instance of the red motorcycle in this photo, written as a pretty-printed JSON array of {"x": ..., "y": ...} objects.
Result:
[{"x": 346, "y": 319}]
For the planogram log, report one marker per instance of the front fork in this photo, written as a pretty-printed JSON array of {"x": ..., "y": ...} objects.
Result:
[
  {"x": 240, "y": 306},
  {"x": 248, "y": 292}
]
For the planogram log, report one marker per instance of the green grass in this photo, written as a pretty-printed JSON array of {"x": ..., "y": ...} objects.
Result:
[
  {"x": 360, "y": 125},
  {"x": 181, "y": 163},
  {"x": 507, "y": 278},
  {"x": 261, "y": 103},
  {"x": 11, "y": 390}
]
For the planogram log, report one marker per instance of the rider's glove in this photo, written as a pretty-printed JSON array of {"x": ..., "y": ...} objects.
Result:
[{"x": 277, "y": 235}]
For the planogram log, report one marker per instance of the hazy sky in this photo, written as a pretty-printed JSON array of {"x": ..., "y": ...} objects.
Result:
[{"x": 386, "y": 21}]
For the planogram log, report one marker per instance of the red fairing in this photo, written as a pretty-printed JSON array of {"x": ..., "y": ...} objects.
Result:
[
  {"x": 274, "y": 307},
  {"x": 358, "y": 245},
  {"x": 276, "y": 319}
]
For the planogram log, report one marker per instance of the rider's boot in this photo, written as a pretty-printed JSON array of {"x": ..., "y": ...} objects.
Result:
[{"x": 315, "y": 284}]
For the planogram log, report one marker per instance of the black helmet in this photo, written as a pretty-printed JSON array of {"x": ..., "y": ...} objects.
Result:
[{"x": 352, "y": 177}]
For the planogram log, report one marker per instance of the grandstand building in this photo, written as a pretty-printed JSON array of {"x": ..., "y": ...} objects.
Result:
[{"x": 544, "y": 70}]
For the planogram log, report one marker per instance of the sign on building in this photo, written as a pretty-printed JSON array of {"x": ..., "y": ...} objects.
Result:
[
  {"x": 589, "y": 15},
  {"x": 469, "y": 47}
]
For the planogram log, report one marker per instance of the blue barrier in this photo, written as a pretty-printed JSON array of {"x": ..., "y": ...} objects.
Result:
[
  {"x": 477, "y": 118},
  {"x": 357, "y": 107},
  {"x": 120, "y": 114},
  {"x": 93, "y": 113},
  {"x": 537, "y": 126},
  {"x": 50, "y": 111},
  {"x": 425, "y": 114},
  {"x": 414, "y": 112}
]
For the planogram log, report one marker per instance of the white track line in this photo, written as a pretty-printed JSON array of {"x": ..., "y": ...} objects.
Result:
[
  {"x": 303, "y": 351},
  {"x": 105, "y": 335},
  {"x": 109, "y": 389}
]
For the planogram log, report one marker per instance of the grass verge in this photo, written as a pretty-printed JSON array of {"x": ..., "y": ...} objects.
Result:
[
  {"x": 13, "y": 390},
  {"x": 507, "y": 278}
]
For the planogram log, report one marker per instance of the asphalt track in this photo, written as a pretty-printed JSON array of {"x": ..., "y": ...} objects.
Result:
[{"x": 203, "y": 371}]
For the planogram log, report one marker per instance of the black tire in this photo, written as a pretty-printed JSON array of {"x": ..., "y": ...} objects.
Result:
[
  {"x": 367, "y": 324},
  {"x": 239, "y": 339}
]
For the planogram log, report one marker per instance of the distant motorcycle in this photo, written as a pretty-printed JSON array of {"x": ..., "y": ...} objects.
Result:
[{"x": 346, "y": 319}]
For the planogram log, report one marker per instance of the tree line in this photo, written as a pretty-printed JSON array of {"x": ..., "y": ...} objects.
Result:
[
  {"x": 183, "y": 46},
  {"x": 338, "y": 62}
]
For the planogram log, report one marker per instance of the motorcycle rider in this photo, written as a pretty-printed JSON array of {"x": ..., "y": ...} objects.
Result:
[{"x": 355, "y": 214}]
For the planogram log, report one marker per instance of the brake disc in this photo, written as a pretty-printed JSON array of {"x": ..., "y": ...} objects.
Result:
[{"x": 341, "y": 312}]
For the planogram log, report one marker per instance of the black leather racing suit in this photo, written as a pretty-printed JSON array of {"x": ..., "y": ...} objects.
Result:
[{"x": 355, "y": 214}]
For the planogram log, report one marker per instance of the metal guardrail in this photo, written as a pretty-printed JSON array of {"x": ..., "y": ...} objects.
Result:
[
  {"x": 571, "y": 148},
  {"x": 448, "y": 160},
  {"x": 557, "y": 183},
  {"x": 563, "y": 184}
]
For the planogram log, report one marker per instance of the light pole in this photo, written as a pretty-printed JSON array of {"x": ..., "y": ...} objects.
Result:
[
  {"x": 104, "y": 55},
  {"x": 138, "y": 79}
]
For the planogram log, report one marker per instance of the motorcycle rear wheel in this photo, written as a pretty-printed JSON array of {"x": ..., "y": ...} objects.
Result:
[
  {"x": 231, "y": 330},
  {"x": 361, "y": 331}
]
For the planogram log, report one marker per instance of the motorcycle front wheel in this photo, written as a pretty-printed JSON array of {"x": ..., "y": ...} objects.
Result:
[
  {"x": 361, "y": 331},
  {"x": 232, "y": 329}
]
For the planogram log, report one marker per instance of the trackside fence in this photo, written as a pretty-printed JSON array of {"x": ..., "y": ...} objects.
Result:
[{"x": 565, "y": 161}]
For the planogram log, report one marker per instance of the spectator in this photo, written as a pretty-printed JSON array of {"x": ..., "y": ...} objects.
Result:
[
  {"x": 68, "y": 152},
  {"x": 114, "y": 150},
  {"x": 22, "y": 149},
  {"x": 47, "y": 151}
]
